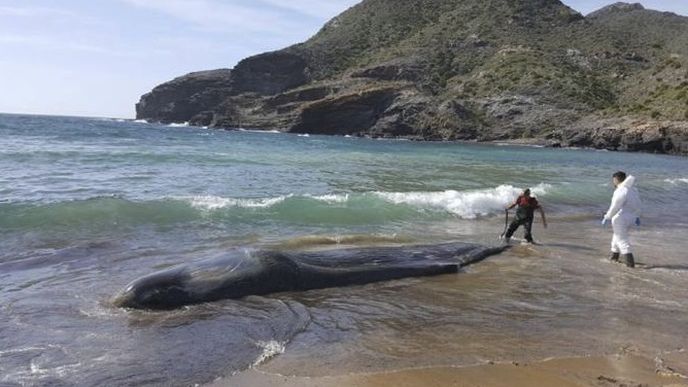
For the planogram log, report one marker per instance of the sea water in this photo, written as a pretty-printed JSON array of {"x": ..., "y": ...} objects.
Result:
[{"x": 87, "y": 205}]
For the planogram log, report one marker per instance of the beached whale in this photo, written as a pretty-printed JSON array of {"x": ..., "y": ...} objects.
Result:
[{"x": 245, "y": 272}]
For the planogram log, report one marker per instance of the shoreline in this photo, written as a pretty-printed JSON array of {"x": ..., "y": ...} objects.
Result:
[
  {"x": 534, "y": 142},
  {"x": 623, "y": 369}
]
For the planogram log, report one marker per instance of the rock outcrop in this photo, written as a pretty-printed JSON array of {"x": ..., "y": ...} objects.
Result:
[
  {"x": 459, "y": 70},
  {"x": 345, "y": 114},
  {"x": 629, "y": 135},
  {"x": 182, "y": 98}
]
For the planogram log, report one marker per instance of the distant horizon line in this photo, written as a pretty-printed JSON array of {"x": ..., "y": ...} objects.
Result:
[{"x": 65, "y": 115}]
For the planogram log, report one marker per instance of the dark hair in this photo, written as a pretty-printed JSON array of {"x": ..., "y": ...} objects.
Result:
[
  {"x": 526, "y": 191},
  {"x": 621, "y": 176}
]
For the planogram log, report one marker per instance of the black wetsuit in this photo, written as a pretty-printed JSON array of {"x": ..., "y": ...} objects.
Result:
[{"x": 524, "y": 217}]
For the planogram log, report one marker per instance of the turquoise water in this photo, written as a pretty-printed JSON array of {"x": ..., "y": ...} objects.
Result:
[
  {"x": 74, "y": 176},
  {"x": 87, "y": 205}
]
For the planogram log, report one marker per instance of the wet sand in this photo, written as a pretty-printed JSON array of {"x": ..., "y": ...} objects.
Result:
[
  {"x": 596, "y": 323},
  {"x": 619, "y": 370}
]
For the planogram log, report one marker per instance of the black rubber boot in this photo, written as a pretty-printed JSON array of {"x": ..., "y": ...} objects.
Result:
[
  {"x": 614, "y": 257},
  {"x": 630, "y": 261}
]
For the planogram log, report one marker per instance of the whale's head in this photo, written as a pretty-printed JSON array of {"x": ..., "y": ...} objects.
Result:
[
  {"x": 235, "y": 274},
  {"x": 161, "y": 290}
]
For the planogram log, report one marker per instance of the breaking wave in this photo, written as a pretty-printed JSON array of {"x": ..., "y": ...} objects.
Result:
[
  {"x": 467, "y": 205},
  {"x": 210, "y": 203},
  {"x": 346, "y": 208}
]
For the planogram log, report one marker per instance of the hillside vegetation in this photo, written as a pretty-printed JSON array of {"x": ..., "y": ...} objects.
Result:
[{"x": 527, "y": 70}]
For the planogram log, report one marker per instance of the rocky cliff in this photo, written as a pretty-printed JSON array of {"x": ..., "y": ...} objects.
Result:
[{"x": 460, "y": 69}]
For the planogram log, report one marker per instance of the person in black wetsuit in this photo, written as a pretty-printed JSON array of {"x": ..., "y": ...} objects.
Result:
[{"x": 524, "y": 216}]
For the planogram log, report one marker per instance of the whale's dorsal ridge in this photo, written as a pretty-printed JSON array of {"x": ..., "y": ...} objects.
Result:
[{"x": 244, "y": 272}]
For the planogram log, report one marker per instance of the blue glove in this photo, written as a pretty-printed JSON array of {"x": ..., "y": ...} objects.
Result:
[
  {"x": 604, "y": 222},
  {"x": 637, "y": 222}
]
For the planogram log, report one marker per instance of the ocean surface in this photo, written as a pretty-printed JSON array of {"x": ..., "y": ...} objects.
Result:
[{"x": 88, "y": 205}]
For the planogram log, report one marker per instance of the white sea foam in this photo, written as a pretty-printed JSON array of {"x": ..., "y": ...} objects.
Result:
[
  {"x": 274, "y": 131},
  {"x": 466, "y": 204},
  {"x": 21, "y": 349},
  {"x": 177, "y": 125},
  {"x": 106, "y": 119},
  {"x": 514, "y": 144},
  {"x": 59, "y": 372},
  {"x": 304, "y": 135},
  {"x": 676, "y": 181},
  {"x": 210, "y": 203},
  {"x": 270, "y": 349},
  {"x": 140, "y": 121},
  {"x": 332, "y": 199}
]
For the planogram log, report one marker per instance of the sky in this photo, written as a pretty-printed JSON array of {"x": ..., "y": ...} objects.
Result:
[{"x": 96, "y": 58}]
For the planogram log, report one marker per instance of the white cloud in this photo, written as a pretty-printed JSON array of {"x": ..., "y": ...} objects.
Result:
[
  {"x": 48, "y": 16},
  {"x": 215, "y": 15},
  {"x": 33, "y": 11},
  {"x": 49, "y": 43}
]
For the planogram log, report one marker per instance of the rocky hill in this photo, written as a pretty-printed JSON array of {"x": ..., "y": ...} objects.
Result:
[{"x": 524, "y": 70}]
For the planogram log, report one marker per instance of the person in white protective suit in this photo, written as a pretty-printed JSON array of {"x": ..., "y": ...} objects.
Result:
[{"x": 623, "y": 213}]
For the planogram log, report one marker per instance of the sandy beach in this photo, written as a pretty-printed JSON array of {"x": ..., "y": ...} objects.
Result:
[
  {"x": 618, "y": 370},
  {"x": 624, "y": 343}
]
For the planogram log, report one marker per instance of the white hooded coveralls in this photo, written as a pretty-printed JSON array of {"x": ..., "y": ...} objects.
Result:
[{"x": 625, "y": 208}]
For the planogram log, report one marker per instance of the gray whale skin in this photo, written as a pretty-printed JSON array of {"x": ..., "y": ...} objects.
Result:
[{"x": 245, "y": 272}]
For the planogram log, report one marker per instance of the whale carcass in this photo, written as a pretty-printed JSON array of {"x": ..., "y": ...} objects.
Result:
[{"x": 243, "y": 272}]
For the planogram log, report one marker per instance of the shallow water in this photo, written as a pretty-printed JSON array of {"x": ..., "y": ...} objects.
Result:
[
  {"x": 560, "y": 299},
  {"x": 87, "y": 205}
]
